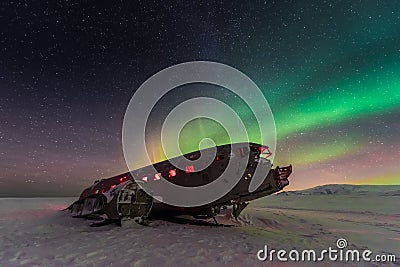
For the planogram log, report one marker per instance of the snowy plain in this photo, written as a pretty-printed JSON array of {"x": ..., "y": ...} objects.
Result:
[{"x": 36, "y": 232}]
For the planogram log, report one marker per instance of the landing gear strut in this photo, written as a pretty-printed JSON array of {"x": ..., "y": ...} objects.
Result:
[
  {"x": 214, "y": 211},
  {"x": 238, "y": 208}
]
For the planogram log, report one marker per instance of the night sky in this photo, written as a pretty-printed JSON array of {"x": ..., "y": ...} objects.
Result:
[{"x": 329, "y": 69}]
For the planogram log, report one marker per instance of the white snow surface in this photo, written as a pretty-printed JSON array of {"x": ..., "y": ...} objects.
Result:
[{"x": 36, "y": 232}]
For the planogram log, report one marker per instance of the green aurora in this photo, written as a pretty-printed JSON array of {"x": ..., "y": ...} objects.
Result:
[{"x": 330, "y": 94}]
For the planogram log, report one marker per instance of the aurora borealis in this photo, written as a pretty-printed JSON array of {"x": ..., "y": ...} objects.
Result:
[{"x": 330, "y": 71}]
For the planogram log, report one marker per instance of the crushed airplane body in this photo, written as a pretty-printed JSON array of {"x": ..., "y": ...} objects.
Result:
[{"x": 122, "y": 196}]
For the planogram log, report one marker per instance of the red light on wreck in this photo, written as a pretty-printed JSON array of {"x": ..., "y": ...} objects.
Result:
[
  {"x": 157, "y": 176},
  {"x": 172, "y": 173},
  {"x": 189, "y": 169}
]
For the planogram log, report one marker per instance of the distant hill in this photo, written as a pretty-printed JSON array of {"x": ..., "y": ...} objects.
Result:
[
  {"x": 347, "y": 189},
  {"x": 379, "y": 199}
]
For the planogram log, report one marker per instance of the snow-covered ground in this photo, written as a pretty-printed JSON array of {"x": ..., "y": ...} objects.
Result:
[{"x": 34, "y": 232}]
